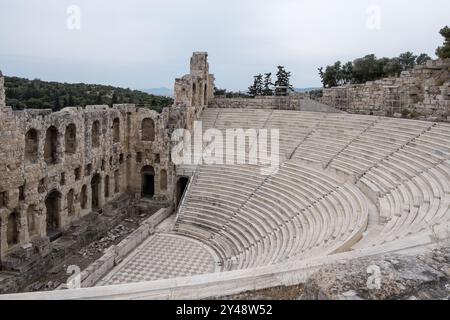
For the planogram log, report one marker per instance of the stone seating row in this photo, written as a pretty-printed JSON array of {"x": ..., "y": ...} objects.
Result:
[{"x": 289, "y": 214}]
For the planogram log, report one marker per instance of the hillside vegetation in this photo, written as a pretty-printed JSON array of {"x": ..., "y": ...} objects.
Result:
[{"x": 36, "y": 94}]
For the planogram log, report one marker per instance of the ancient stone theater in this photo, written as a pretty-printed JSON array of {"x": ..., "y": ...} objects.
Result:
[{"x": 348, "y": 184}]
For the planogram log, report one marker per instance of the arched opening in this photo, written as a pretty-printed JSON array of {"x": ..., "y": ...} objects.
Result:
[
  {"x": 180, "y": 189},
  {"x": 116, "y": 181},
  {"x": 205, "y": 95},
  {"x": 106, "y": 187},
  {"x": 148, "y": 181},
  {"x": 53, "y": 208},
  {"x": 31, "y": 145},
  {"x": 71, "y": 138},
  {"x": 83, "y": 197},
  {"x": 194, "y": 93},
  {"x": 32, "y": 220},
  {"x": 148, "y": 130},
  {"x": 163, "y": 180},
  {"x": 95, "y": 191},
  {"x": 70, "y": 200},
  {"x": 96, "y": 134},
  {"x": 12, "y": 234},
  {"x": 51, "y": 146},
  {"x": 116, "y": 130}
]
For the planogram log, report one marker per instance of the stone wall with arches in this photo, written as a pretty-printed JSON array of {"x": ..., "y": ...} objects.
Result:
[{"x": 57, "y": 167}]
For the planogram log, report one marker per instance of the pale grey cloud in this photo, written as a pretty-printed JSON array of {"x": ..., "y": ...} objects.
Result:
[{"x": 144, "y": 44}]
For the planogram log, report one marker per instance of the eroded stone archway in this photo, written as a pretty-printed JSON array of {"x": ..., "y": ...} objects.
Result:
[
  {"x": 95, "y": 191},
  {"x": 51, "y": 146},
  {"x": 53, "y": 213}
]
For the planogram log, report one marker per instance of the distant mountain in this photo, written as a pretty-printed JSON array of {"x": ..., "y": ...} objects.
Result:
[
  {"x": 163, "y": 91},
  {"x": 303, "y": 90}
]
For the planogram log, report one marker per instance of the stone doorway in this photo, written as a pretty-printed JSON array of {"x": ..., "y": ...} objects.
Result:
[
  {"x": 53, "y": 208},
  {"x": 148, "y": 182},
  {"x": 95, "y": 191}
]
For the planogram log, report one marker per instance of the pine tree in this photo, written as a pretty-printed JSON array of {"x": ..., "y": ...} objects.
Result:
[
  {"x": 443, "y": 51},
  {"x": 257, "y": 88},
  {"x": 267, "y": 88},
  {"x": 283, "y": 85}
]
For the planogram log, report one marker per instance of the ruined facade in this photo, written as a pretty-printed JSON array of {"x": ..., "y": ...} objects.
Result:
[
  {"x": 195, "y": 90},
  {"x": 424, "y": 90},
  {"x": 58, "y": 167}
]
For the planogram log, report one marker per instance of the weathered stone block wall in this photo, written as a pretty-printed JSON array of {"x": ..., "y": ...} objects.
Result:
[
  {"x": 58, "y": 167},
  {"x": 291, "y": 102},
  {"x": 425, "y": 90},
  {"x": 2, "y": 91}
]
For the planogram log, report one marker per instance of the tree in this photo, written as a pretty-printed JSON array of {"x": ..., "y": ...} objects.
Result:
[
  {"x": 443, "y": 51},
  {"x": 114, "y": 99},
  {"x": 368, "y": 68},
  {"x": 268, "y": 85},
  {"x": 346, "y": 74},
  {"x": 422, "y": 58},
  {"x": 98, "y": 99},
  {"x": 393, "y": 68},
  {"x": 331, "y": 76},
  {"x": 257, "y": 88},
  {"x": 407, "y": 60},
  {"x": 56, "y": 103},
  {"x": 23, "y": 93},
  {"x": 71, "y": 101},
  {"x": 283, "y": 85},
  {"x": 219, "y": 92}
]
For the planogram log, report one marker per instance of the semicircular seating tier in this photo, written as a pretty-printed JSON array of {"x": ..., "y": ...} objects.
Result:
[{"x": 344, "y": 182}]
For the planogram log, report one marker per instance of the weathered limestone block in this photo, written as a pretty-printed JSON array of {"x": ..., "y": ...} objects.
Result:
[{"x": 384, "y": 277}]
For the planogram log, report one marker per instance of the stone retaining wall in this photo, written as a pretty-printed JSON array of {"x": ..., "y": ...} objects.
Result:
[
  {"x": 423, "y": 92},
  {"x": 286, "y": 103}
]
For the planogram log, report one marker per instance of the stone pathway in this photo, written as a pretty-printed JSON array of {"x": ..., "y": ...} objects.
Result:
[{"x": 163, "y": 256}]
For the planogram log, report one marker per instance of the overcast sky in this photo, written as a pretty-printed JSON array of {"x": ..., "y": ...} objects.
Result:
[{"x": 147, "y": 43}]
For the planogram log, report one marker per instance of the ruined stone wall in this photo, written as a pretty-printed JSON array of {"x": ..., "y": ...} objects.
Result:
[
  {"x": 425, "y": 91},
  {"x": 195, "y": 90},
  {"x": 2, "y": 91},
  {"x": 291, "y": 102},
  {"x": 56, "y": 168}
]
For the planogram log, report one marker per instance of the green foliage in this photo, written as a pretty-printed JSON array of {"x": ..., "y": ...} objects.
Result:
[
  {"x": 256, "y": 89},
  {"x": 268, "y": 85},
  {"x": 219, "y": 92},
  {"x": 283, "y": 82},
  {"x": 443, "y": 51},
  {"x": 315, "y": 94},
  {"x": 263, "y": 86},
  {"x": 36, "y": 94},
  {"x": 407, "y": 60},
  {"x": 422, "y": 58},
  {"x": 368, "y": 68}
]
